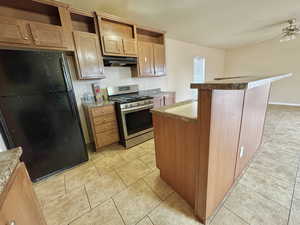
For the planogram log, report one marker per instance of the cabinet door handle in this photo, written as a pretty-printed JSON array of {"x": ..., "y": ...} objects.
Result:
[{"x": 12, "y": 223}]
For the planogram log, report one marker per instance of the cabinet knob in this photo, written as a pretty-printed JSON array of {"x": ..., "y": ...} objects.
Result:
[{"x": 12, "y": 223}]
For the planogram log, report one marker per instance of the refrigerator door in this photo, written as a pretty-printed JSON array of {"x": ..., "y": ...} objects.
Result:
[
  {"x": 31, "y": 72},
  {"x": 48, "y": 129}
]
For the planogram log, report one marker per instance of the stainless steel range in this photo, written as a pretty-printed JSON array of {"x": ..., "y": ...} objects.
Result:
[{"x": 133, "y": 114}]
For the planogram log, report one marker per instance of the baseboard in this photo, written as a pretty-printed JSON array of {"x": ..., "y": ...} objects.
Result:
[{"x": 283, "y": 103}]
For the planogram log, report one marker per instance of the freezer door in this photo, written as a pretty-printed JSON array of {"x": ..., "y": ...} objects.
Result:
[
  {"x": 47, "y": 127},
  {"x": 31, "y": 72}
]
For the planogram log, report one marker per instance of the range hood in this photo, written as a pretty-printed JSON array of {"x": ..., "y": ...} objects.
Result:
[{"x": 119, "y": 61}]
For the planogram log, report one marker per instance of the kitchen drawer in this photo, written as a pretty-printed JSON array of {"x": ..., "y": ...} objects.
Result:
[
  {"x": 107, "y": 138},
  {"x": 104, "y": 119},
  {"x": 102, "y": 110},
  {"x": 106, "y": 127}
]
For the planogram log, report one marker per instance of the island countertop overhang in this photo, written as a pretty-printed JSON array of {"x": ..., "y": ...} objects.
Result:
[{"x": 238, "y": 82}]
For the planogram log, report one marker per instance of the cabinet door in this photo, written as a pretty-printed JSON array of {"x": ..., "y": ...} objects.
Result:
[
  {"x": 113, "y": 45},
  {"x": 88, "y": 54},
  {"x": 46, "y": 35},
  {"x": 159, "y": 59},
  {"x": 146, "y": 66},
  {"x": 13, "y": 31},
  {"x": 129, "y": 46},
  {"x": 20, "y": 204}
]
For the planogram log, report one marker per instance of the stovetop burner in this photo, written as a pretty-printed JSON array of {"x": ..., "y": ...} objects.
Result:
[{"x": 129, "y": 98}]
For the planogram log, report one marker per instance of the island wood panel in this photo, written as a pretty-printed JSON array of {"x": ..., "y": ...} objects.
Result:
[
  {"x": 18, "y": 201},
  {"x": 226, "y": 116},
  {"x": 255, "y": 108},
  {"x": 176, "y": 159},
  {"x": 202, "y": 159}
]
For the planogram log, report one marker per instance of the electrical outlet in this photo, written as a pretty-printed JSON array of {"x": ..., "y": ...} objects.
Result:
[{"x": 242, "y": 151}]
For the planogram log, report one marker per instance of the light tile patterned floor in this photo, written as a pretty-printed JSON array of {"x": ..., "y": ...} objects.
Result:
[{"x": 118, "y": 187}]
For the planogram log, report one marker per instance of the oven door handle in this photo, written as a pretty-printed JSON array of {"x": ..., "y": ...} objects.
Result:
[{"x": 135, "y": 109}]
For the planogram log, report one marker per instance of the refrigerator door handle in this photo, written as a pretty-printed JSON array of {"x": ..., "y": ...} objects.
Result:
[
  {"x": 66, "y": 74},
  {"x": 5, "y": 133}
]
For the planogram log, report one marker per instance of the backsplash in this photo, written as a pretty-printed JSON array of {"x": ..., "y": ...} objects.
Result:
[{"x": 115, "y": 76}]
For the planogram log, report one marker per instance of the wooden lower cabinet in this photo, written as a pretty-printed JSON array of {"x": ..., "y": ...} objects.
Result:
[
  {"x": 19, "y": 204},
  {"x": 102, "y": 124}
]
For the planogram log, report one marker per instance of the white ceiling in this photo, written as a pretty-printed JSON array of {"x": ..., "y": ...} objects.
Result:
[{"x": 214, "y": 23}]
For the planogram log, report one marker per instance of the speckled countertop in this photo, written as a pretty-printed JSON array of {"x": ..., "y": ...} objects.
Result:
[
  {"x": 239, "y": 82},
  {"x": 186, "y": 110},
  {"x": 8, "y": 162}
]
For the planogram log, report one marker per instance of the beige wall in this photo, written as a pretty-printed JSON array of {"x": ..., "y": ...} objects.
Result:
[
  {"x": 179, "y": 59},
  {"x": 269, "y": 57},
  {"x": 180, "y": 56}
]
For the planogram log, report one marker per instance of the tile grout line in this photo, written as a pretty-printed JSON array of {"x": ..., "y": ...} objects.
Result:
[
  {"x": 236, "y": 214},
  {"x": 150, "y": 220},
  {"x": 87, "y": 196},
  {"x": 293, "y": 196},
  {"x": 118, "y": 211},
  {"x": 114, "y": 170},
  {"x": 263, "y": 196}
]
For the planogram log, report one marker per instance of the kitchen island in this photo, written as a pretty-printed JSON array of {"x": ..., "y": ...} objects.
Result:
[{"x": 202, "y": 147}]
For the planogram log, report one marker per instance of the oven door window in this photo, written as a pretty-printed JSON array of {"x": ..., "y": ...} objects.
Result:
[{"x": 138, "y": 121}]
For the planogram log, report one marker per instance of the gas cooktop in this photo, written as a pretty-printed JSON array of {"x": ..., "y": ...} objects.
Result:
[{"x": 129, "y": 98}]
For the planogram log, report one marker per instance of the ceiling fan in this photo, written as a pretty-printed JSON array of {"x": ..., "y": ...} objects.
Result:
[{"x": 290, "y": 31}]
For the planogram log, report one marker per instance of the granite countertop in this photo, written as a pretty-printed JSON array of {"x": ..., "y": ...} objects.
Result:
[
  {"x": 238, "y": 83},
  {"x": 186, "y": 110},
  {"x": 8, "y": 162}
]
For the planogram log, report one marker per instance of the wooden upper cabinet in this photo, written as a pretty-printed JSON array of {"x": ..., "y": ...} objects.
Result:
[
  {"x": 159, "y": 59},
  {"x": 145, "y": 52},
  {"x": 19, "y": 203},
  {"x": 34, "y": 24},
  {"x": 13, "y": 31},
  {"x": 87, "y": 45},
  {"x": 151, "y": 53},
  {"x": 112, "y": 45},
  {"x": 88, "y": 55},
  {"x": 129, "y": 46},
  {"x": 48, "y": 35},
  {"x": 118, "y": 36}
]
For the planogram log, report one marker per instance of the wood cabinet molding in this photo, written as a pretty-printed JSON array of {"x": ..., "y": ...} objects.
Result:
[{"x": 53, "y": 3}]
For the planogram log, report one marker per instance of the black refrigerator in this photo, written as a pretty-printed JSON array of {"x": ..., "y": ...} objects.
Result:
[{"x": 38, "y": 111}]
